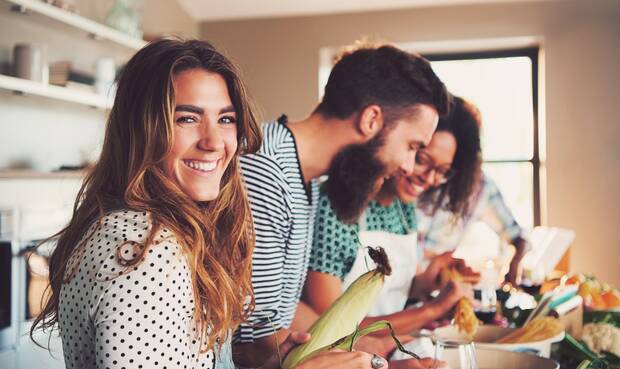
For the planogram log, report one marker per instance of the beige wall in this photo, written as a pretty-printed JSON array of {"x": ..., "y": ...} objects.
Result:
[
  {"x": 168, "y": 17},
  {"x": 158, "y": 16},
  {"x": 279, "y": 58}
]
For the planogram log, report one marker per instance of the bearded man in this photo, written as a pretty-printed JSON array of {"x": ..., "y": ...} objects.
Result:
[{"x": 381, "y": 105}]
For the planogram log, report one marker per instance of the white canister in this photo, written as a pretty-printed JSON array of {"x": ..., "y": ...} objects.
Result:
[{"x": 105, "y": 74}]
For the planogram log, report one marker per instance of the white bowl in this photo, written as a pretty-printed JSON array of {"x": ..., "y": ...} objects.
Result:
[
  {"x": 485, "y": 358},
  {"x": 500, "y": 359},
  {"x": 487, "y": 335}
]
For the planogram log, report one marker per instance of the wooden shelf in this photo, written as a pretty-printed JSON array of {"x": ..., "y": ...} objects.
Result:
[
  {"x": 28, "y": 87},
  {"x": 94, "y": 29},
  {"x": 32, "y": 174}
]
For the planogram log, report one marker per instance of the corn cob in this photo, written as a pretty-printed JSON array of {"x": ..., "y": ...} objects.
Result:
[
  {"x": 345, "y": 314},
  {"x": 465, "y": 318},
  {"x": 464, "y": 315}
]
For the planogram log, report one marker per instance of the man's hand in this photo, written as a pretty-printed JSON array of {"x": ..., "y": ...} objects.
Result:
[{"x": 293, "y": 339}]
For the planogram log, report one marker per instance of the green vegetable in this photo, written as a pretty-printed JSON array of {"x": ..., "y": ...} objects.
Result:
[
  {"x": 345, "y": 314},
  {"x": 594, "y": 361},
  {"x": 583, "y": 349},
  {"x": 609, "y": 317}
]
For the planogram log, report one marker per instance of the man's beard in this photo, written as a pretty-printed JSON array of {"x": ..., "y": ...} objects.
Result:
[{"x": 355, "y": 175}]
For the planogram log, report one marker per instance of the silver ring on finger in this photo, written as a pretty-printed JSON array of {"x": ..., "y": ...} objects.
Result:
[{"x": 376, "y": 362}]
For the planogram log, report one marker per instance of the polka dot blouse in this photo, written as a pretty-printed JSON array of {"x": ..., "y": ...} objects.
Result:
[{"x": 113, "y": 316}]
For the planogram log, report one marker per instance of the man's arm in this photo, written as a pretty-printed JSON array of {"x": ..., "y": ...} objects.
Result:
[
  {"x": 257, "y": 339},
  {"x": 255, "y": 354}
]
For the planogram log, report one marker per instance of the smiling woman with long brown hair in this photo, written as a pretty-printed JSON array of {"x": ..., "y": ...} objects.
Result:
[{"x": 153, "y": 269}]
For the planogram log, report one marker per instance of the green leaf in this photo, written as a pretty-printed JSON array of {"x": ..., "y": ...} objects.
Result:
[
  {"x": 584, "y": 364},
  {"x": 347, "y": 343},
  {"x": 581, "y": 348}
]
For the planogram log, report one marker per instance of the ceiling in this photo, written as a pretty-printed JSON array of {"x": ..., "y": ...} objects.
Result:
[{"x": 205, "y": 10}]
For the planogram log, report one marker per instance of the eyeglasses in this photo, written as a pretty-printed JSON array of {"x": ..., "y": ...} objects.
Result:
[{"x": 424, "y": 164}]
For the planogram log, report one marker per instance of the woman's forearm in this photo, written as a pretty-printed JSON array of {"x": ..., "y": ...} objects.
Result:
[
  {"x": 521, "y": 246},
  {"x": 409, "y": 320}
]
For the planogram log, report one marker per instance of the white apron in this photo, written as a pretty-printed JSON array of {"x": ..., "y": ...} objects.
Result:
[{"x": 403, "y": 256}]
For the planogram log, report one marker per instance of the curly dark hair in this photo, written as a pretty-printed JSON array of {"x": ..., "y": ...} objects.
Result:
[
  {"x": 463, "y": 122},
  {"x": 384, "y": 75}
]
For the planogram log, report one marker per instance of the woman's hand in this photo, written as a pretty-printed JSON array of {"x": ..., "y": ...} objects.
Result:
[
  {"x": 293, "y": 339},
  {"x": 334, "y": 359},
  {"x": 451, "y": 293},
  {"x": 430, "y": 279}
]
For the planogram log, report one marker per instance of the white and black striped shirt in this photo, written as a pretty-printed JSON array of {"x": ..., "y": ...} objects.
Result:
[{"x": 283, "y": 210}]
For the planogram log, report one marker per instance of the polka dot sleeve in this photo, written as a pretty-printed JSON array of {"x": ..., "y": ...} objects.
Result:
[
  {"x": 334, "y": 244},
  {"x": 115, "y": 316},
  {"x": 142, "y": 320}
]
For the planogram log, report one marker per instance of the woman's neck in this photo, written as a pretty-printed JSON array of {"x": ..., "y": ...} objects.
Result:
[{"x": 385, "y": 197}]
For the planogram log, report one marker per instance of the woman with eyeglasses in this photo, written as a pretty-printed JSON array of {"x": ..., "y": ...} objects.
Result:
[
  {"x": 451, "y": 162},
  {"x": 454, "y": 193}
]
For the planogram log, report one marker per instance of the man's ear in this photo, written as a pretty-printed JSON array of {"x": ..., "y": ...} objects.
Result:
[{"x": 370, "y": 121}]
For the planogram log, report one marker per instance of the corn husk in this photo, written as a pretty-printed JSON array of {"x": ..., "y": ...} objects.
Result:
[
  {"x": 346, "y": 343},
  {"x": 341, "y": 320}
]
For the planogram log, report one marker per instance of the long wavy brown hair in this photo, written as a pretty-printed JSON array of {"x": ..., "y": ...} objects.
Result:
[{"x": 216, "y": 236}]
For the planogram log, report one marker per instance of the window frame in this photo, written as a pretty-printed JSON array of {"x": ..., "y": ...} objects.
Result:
[{"x": 533, "y": 54}]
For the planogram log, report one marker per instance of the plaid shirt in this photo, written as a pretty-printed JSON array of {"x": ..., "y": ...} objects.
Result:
[{"x": 442, "y": 232}]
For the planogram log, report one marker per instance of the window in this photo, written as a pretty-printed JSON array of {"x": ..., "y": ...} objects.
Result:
[{"x": 503, "y": 85}]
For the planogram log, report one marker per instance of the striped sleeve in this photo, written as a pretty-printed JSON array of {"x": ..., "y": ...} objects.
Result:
[{"x": 271, "y": 212}]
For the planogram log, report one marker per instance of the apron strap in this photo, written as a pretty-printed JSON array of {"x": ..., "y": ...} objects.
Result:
[{"x": 403, "y": 218}]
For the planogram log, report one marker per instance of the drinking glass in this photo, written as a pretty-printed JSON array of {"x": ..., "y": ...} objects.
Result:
[{"x": 454, "y": 353}]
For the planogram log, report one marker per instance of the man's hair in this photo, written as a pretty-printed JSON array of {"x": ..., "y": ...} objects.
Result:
[{"x": 384, "y": 75}]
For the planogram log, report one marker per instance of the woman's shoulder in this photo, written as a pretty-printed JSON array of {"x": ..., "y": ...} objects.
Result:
[
  {"x": 123, "y": 239},
  {"x": 132, "y": 225}
]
